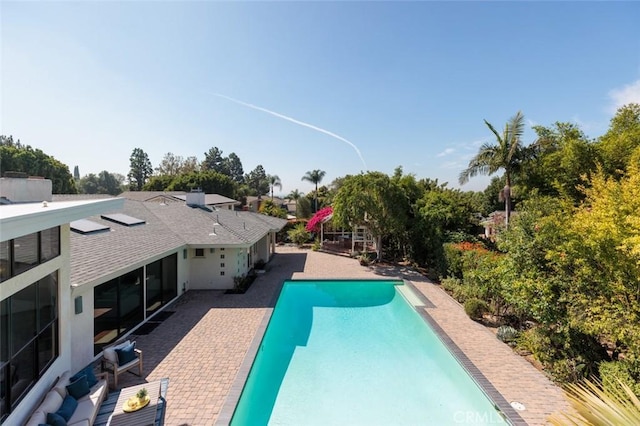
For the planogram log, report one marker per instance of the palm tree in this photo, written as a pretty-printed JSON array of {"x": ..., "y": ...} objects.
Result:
[
  {"x": 295, "y": 195},
  {"x": 507, "y": 154},
  {"x": 274, "y": 180},
  {"x": 315, "y": 177}
]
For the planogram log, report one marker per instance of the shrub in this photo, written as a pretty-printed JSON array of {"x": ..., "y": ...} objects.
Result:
[
  {"x": 507, "y": 334},
  {"x": 476, "y": 308},
  {"x": 455, "y": 288},
  {"x": 615, "y": 372},
  {"x": 316, "y": 245},
  {"x": 299, "y": 235}
]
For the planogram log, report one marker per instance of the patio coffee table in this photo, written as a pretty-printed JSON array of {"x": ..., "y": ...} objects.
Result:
[{"x": 112, "y": 414}]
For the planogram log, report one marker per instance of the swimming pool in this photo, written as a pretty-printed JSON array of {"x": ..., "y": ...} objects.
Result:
[{"x": 356, "y": 353}]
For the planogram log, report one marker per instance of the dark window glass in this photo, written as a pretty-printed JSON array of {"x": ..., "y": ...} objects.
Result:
[
  {"x": 154, "y": 286},
  {"x": 4, "y": 331},
  {"x": 5, "y": 260},
  {"x": 47, "y": 347},
  {"x": 24, "y": 374},
  {"x": 49, "y": 244},
  {"x": 23, "y": 318},
  {"x": 169, "y": 278},
  {"x": 105, "y": 314},
  {"x": 47, "y": 293},
  {"x": 199, "y": 252},
  {"x": 28, "y": 339},
  {"x": 222, "y": 256},
  {"x": 25, "y": 253},
  {"x": 130, "y": 298},
  {"x": 5, "y": 376}
]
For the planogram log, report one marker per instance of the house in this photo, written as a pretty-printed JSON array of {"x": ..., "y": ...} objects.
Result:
[
  {"x": 36, "y": 301},
  {"x": 494, "y": 223},
  {"x": 119, "y": 262}
]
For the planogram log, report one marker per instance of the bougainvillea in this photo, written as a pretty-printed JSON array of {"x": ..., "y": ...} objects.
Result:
[{"x": 314, "y": 223}]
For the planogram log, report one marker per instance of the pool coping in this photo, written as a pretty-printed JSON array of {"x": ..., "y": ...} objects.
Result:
[{"x": 496, "y": 398}]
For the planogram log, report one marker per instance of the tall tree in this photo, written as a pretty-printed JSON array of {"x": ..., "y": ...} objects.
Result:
[
  {"x": 257, "y": 181},
  {"x": 506, "y": 154},
  {"x": 274, "y": 180},
  {"x": 213, "y": 160},
  {"x": 295, "y": 195},
  {"x": 372, "y": 200},
  {"x": 622, "y": 138},
  {"x": 190, "y": 165},
  {"x": 140, "y": 169},
  {"x": 315, "y": 177},
  {"x": 109, "y": 183},
  {"x": 209, "y": 181},
  {"x": 170, "y": 165},
  {"x": 17, "y": 157},
  {"x": 233, "y": 165}
]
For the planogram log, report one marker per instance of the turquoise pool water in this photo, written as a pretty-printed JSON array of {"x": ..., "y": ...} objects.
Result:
[{"x": 356, "y": 353}]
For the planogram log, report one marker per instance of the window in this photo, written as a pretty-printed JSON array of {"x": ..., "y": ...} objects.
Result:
[
  {"x": 222, "y": 249},
  {"x": 28, "y": 339},
  {"x": 222, "y": 256},
  {"x": 184, "y": 253},
  {"x": 118, "y": 307},
  {"x": 119, "y": 304},
  {"x": 49, "y": 244},
  {"x": 199, "y": 252},
  {"x": 222, "y": 265},
  {"x": 5, "y": 260},
  {"x": 25, "y": 252},
  {"x": 161, "y": 282},
  {"x": 221, "y": 272}
]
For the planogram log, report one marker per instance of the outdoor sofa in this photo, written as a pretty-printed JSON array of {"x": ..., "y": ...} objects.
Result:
[{"x": 76, "y": 399}]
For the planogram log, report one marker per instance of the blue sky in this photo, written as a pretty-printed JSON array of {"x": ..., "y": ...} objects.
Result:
[{"x": 408, "y": 84}]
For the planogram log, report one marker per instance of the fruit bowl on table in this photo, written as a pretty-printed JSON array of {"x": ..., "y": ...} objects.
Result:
[{"x": 134, "y": 404}]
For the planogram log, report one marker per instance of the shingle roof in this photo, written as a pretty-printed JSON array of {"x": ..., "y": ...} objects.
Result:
[{"x": 168, "y": 227}]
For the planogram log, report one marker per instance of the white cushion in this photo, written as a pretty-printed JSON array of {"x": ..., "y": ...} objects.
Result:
[
  {"x": 84, "y": 411},
  {"x": 51, "y": 402},
  {"x": 37, "y": 418},
  {"x": 61, "y": 384},
  {"x": 110, "y": 353}
]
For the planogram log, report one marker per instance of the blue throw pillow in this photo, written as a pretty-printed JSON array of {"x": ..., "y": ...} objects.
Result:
[
  {"x": 126, "y": 354},
  {"x": 87, "y": 371},
  {"x": 78, "y": 388},
  {"x": 54, "y": 419},
  {"x": 67, "y": 408}
]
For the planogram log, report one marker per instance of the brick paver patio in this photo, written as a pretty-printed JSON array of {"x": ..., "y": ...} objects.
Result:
[{"x": 201, "y": 347}]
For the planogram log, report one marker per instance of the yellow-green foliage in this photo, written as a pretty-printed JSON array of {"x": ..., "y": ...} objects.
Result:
[
  {"x": 602, "y": 254},
  {"x": 594, "y": 406}
]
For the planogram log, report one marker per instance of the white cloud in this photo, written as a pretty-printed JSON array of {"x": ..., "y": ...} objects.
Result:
[
  {"x": 625, "y": 95},
  {"x": 452, "y": 165},
  {"x": 446, "y": 152}
]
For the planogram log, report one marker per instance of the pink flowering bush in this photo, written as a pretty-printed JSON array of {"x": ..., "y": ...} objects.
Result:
[{"x": 314, "y": 223}]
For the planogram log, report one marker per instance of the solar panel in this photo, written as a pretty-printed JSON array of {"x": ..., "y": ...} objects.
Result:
[
  {"x": 85, "y": 226},
  {"x": 123, "y": 219}
]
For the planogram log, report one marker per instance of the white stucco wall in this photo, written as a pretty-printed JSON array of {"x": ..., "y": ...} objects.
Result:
[{"x": 206, "y": 271}]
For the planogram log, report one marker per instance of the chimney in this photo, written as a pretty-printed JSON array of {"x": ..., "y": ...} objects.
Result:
[
  {"x": 26, "y": 189},
  {"x": 195, "y": 198}
]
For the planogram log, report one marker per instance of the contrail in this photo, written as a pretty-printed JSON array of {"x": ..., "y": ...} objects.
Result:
[{"x": 293, "y": 120}]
